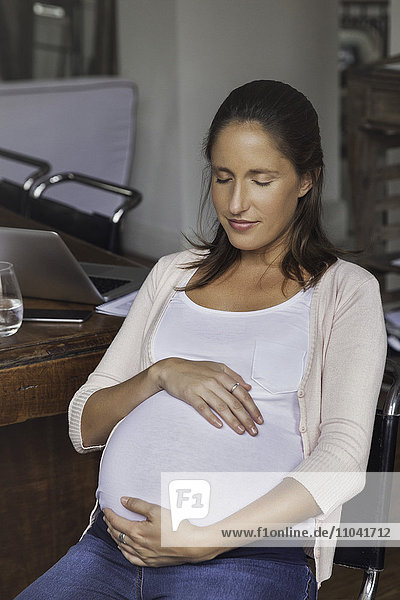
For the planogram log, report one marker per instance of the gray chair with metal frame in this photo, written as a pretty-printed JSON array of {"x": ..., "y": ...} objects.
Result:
[{"x": 80, "y": 125}]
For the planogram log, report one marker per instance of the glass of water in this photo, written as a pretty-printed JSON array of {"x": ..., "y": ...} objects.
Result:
[{"x": 11, "y": 307}]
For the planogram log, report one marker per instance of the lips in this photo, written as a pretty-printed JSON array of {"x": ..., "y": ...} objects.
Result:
[{"x": 239, "y": 225}]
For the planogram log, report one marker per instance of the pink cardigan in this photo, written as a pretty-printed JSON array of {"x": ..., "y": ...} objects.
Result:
[{"x": 337, "y": 395}]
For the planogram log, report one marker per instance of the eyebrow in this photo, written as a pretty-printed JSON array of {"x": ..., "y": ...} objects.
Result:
[{"x": 252, "y": 171}]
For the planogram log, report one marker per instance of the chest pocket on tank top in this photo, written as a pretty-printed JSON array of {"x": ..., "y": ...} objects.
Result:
[{"x": 278, "y": 368}]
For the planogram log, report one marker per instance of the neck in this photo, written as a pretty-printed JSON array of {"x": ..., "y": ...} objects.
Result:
[{"x": 271, "y": 260}]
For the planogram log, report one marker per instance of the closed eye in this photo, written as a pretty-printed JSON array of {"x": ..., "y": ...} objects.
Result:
[
  {"x": 218, "y": 180},
  {"x": 262, "y": 183}
]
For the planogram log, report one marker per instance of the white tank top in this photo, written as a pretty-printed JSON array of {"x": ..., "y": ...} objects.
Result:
[{"x": 268, "y": 348}]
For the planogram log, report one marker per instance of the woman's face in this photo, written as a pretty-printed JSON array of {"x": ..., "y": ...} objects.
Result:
[{"x": 255, "y": 189}]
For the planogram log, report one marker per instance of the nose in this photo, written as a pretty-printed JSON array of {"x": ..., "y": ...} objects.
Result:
[{"x": 237, "y": 202}]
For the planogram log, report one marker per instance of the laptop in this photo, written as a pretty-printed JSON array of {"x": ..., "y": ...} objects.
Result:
[{"x": 46, "y": 268}]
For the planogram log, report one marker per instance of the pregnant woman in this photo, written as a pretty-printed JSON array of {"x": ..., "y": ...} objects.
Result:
[{"x": 253, "y": 360}]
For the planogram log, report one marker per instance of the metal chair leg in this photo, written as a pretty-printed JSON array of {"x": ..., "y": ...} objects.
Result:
[{"x": 369, "y": 585}]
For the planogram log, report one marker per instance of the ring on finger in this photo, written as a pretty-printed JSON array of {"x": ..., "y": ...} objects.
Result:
[
  {"x": 121, "y": 538},
  {"x": 234, "y": 387}
]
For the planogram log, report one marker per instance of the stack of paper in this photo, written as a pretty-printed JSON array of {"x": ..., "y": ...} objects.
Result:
[{"x": 118, "y": 307}]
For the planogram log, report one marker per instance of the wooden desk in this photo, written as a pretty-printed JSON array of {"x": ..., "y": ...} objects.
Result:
[{"x": 47, "y": 489}]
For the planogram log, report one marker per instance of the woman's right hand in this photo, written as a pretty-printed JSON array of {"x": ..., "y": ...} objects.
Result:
[{"x": 207, "y": 385}]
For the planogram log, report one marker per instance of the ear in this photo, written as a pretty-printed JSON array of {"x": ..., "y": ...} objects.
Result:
[{"x": 305, "y": 185}]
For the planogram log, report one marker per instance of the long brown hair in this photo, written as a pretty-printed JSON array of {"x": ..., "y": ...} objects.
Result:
[{"x": 291, "y": 120}]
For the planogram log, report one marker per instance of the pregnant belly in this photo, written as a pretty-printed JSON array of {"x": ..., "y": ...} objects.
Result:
[{"x": 165, "y": 435}]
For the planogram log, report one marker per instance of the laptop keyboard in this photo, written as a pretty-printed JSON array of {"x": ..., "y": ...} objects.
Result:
[{"x": 106, "y": 284}]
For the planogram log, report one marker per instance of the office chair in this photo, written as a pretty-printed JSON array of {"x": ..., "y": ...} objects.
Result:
[
  {"x": 381, "y": 460},
  {"x": 14, "y": 196},
  {"x": 79, "y": 125},
  {"x": 95, "y": 228}
]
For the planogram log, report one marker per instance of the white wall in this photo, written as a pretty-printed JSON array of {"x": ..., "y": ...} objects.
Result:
[
  {"x": 186, "y": 55},
  {"x": 148, "y": 56}
]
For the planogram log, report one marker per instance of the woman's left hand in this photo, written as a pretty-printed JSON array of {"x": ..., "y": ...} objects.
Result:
[{"x": 142, "y": 539}]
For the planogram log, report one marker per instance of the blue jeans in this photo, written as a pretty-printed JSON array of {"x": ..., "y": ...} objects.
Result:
[{"x": 94, "y": 570}]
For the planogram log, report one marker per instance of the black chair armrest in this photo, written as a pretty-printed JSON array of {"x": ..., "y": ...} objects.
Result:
[
  {"x": 133, "y": 197},
  {"x": 112, "y": 223},
  {"x": 42, "y": 167}
]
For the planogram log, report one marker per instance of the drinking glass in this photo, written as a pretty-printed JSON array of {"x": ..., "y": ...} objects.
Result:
[{"x": 11, "y": 307}]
